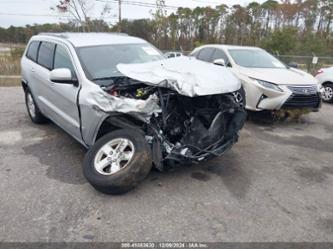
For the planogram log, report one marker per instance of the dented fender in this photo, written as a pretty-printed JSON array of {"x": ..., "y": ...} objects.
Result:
[{"x": 96, "y": 105}]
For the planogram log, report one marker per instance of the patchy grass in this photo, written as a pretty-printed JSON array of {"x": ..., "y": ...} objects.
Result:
[
  {"x": 291, "y": 114},
  {"x": 9, "y": 65},
  {"x": 4, "y": 81},
  {"x": 284, "y": 115},
  {"x": 10, "y": 61}
]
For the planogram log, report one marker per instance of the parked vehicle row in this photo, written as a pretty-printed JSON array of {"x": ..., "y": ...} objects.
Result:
[{"x": 132, "y": 108}]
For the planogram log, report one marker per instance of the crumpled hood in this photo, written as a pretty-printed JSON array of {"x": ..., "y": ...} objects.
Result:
[
  {"x": 280, "y": 76},
  {"x": 188, "y": 76}
]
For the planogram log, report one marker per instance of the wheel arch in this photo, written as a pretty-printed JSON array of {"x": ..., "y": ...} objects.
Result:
[
  {"x": 117, "y": 121},
  {"x": 327, "y": 82},
  {"x": 24, "y": 85}
]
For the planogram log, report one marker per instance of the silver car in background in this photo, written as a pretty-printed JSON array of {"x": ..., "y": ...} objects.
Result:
[
  {"x": 120, "y": 98},
  {"x": 173, "y": 54}
]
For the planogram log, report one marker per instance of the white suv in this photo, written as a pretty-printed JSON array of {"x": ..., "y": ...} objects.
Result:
[
  {"x": 119, "y": 97},
  {"x": 269, "y": 84}
]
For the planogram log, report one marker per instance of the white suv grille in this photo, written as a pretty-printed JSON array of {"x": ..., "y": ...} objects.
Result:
[{"x": 304, "y": 90}]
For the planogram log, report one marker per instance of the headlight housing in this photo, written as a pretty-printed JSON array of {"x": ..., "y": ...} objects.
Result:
[{"x": 268, "y": 85}]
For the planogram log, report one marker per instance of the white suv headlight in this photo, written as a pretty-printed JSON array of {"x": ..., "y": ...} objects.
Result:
[{"x": 268, "y": 85}]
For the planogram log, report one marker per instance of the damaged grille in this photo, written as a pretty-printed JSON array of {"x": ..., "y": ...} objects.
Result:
[{"x": 200, "y": 127}]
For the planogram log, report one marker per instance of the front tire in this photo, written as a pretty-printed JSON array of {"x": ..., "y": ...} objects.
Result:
[
  {"x": 327, "y": 95},
  {"x": 118, "y": 162},
  {"x": 34, "y": 113}
]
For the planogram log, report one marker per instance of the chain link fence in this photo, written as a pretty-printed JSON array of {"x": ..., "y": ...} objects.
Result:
[{"x": 306, "y": 62}]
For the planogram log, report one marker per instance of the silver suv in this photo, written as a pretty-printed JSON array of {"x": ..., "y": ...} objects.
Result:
[{"x": 130, "y": 107}]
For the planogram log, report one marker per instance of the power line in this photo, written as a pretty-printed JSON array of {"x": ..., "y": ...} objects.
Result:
[
  {"x": 141, "y": 4},
  {"x": 209, "y": 2}
]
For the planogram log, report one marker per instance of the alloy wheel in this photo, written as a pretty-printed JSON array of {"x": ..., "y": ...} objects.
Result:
[
  {"x": 327, "y": 94},
  {"x": 114, "y": 156}
]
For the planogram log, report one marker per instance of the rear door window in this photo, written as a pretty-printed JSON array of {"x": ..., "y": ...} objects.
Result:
[
  {"x": 45, "y": 55},
  {"x": 33, "y": 50},
  {"x": 206, "y": 54}
]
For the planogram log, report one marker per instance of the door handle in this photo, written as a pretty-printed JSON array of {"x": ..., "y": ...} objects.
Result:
[{"x": 32, "y": 70}]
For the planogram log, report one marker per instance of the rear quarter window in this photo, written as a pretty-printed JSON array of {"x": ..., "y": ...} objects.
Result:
[
  {"x": 33, "y": 50},
  {"x": 46, "y": 54}
]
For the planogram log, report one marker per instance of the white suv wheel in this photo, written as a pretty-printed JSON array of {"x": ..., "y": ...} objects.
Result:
[{"x": 327, "y": 93}]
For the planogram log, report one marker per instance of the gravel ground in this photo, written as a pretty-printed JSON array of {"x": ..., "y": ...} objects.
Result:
[{"x": 276, "y": 184}]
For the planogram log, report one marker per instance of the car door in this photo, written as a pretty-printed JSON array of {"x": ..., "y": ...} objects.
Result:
[
  {"x": 28, "y": 70},
  {"x": 39, "y": 75},
  {"x": 60, "y": 100}
]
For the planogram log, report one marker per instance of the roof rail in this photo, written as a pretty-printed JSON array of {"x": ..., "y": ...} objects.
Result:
[
  {"x": 115, "y": 33},
  {"x": 61, "y": 35},
  {"x": 67, "y": 34}
]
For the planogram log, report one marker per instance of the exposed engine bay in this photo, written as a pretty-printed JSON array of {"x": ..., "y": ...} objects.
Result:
[{"x": 187, "y": 129}]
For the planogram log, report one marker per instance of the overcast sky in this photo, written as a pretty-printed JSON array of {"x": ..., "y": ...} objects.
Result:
[{"x": 22, "y": 12}]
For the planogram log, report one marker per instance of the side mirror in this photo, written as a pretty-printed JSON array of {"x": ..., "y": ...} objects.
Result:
[
  {"x": 62, "y": 76},
  {"x": 219, "y": 62},
  {"x": 293, "y": 64}
]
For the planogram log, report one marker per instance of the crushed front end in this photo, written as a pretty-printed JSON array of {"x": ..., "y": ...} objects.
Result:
[
  {"x": 194, "y": 129},
  {"x": 188, "y": 110},
  {"x": 186, "y": 129}
]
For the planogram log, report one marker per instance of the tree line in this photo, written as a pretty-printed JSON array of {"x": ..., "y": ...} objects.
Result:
[{"x": 303, "y": 27}]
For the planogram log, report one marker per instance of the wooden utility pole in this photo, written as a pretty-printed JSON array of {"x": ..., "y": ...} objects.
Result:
[{"x": 119, "y": 15}]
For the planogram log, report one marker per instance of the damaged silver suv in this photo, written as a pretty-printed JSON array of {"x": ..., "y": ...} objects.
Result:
[{"x": 130, "y": 107}]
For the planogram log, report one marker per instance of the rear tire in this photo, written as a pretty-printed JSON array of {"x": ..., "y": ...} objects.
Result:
[
  {"x": 104, "y": 169},
  {"x": 327, "y": 96},
  {"x": 34, "y": 113}
]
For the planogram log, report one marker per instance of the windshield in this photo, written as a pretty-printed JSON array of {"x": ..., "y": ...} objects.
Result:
[
  {"x": 255, "y": 58},
  {"x": 100, "y": 62}
]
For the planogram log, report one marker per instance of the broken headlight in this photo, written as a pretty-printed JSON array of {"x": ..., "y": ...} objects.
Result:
[{"x": 268, "y": 85}]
